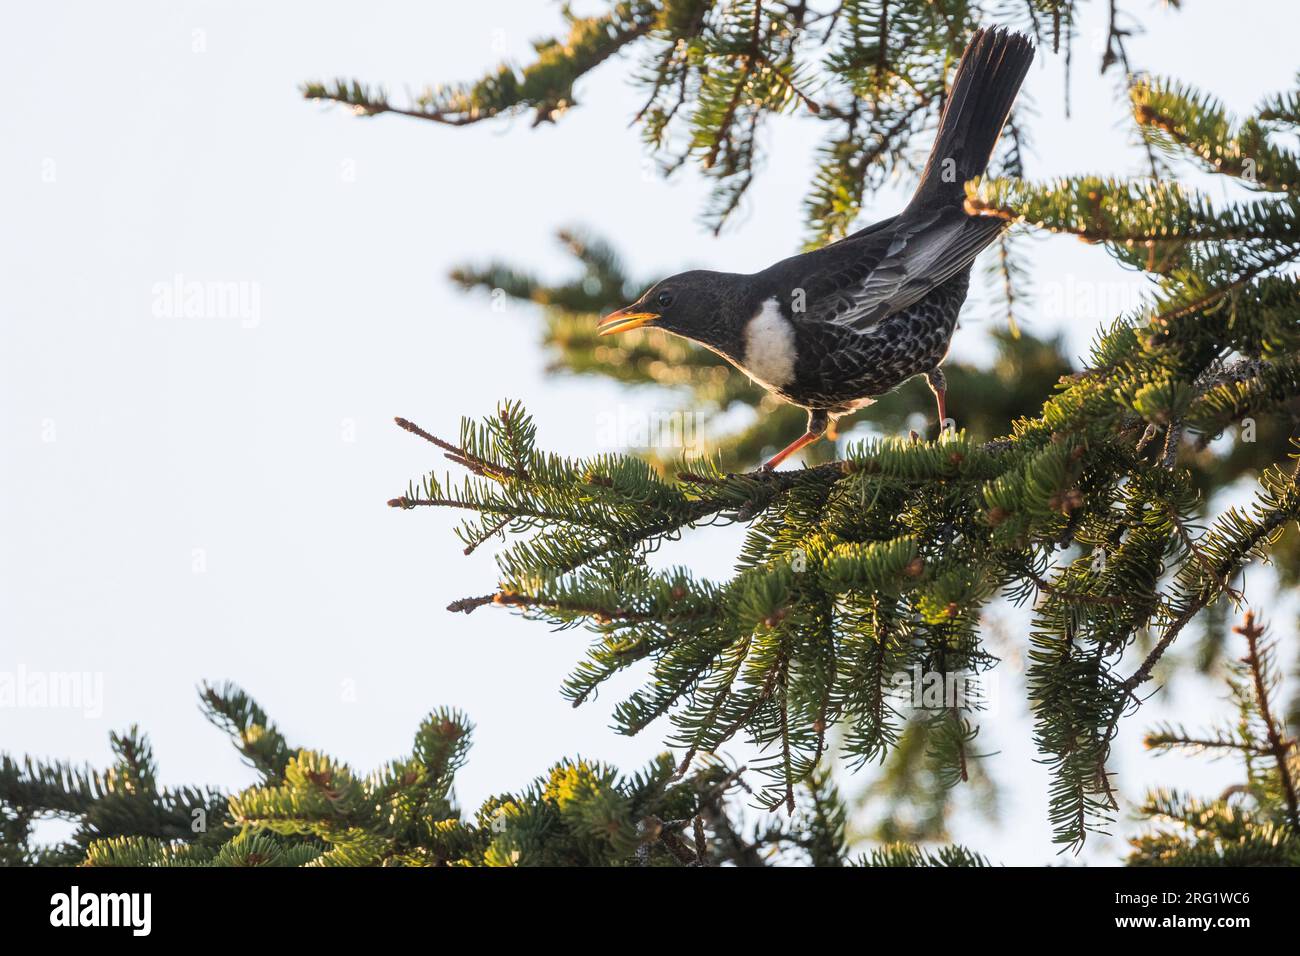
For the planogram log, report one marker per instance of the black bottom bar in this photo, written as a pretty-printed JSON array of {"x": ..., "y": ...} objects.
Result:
[{"x": 266, "y": 904}]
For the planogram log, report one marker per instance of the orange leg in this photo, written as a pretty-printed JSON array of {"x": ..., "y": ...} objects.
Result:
[
  {"x": 939, "y": 385},
  {"x": 806, "y": 439},
  {"x": 817, "y": 423}
]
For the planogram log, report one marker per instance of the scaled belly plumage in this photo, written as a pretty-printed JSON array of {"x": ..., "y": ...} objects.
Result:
[{"x": 842, "y": 369}]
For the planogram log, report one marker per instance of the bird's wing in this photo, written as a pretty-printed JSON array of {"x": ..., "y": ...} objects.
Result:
[{"x": 894, "y": 269}]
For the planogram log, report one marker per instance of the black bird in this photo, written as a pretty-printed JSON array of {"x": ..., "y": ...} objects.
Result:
[{"x": 831, "y": 329}]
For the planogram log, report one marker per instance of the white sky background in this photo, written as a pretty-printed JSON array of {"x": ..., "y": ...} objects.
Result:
[{"x": 173, "y": 434}]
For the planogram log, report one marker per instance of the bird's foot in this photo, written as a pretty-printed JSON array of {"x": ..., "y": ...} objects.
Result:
[{"x": 939, "y": 385}]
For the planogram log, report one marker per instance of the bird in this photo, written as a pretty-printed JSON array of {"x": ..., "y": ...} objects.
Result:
[{"x": 833, "y": 329}]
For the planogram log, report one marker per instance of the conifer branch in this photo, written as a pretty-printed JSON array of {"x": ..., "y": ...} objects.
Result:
[
  {"x": 1234, "y": 555},
  {"x": 1279, "y": 748},
  {"x": 714, "y": 73}
]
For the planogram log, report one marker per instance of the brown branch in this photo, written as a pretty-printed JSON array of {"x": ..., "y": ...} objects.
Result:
[
  {"x": 886, "y": 136},
  {"x": 955, "y": 715},
  {"x": 723, "y": 695},
  {"x": 661, "y": 80},
  {"x": 763, "y": 697},
  {"x": 788, "y": 83},
  {"x": 603, "y": 614},
  {"x": 624, "y": 36},
  {"x": 1194, "y": 550},
  {"x": 1214, "y": 295},
  {"x": 1117, "y": 52},
  {"x": 750, "y": 57},
  {"x": 1148, "y": 434},
  {"x": 1206, "y": 595},
  {"x": 467, "y": 605},
  {"x": 882, "y": 38},
  {"x": 975, "y": 206},
  {"x": 823, "y": 709},
  {"x": 1206, "y": 743},
  {"x": 1270, "y": 524},
  {"x": 1008, "y": 286},
  {"x": 415, "y": 429},
  {"x": 509, "y": 513},
  {"x": 1169, "y": 456},
  {"x": 785, "y": 734},
  {"x": 1278, "y": 746},
  {"x": 405, "y": 502},
  {"x": 1143, "y": 673},
  {"x": 494, "y": 530},
  {"x": 1048, "y": 587},
  {"x": 480, "y": 466},
  {"x": 672, "y": 842},
  {"x": 377, "y": 107},
  {"x": 1033, "y": 22}
]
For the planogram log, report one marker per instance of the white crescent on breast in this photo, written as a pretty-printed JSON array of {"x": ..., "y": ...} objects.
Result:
[{"x": 769, "y": 347}]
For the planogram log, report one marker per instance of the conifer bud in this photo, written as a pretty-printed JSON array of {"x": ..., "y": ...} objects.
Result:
[{"x": 776, "y": 617}]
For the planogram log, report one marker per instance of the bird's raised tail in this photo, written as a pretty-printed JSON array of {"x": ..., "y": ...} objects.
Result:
[{"x": 987, "y": 81}]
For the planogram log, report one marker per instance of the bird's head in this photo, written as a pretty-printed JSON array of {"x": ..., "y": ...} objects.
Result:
[{"x": 695, "y": 305}]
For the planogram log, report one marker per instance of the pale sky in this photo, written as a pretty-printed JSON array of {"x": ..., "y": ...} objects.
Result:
[{"x": 189, "y": 498}]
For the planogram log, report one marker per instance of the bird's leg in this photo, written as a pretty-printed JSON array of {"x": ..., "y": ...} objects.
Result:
[
  {"x": 817, "y": 422},
  {"x": 939, "y": 385}
]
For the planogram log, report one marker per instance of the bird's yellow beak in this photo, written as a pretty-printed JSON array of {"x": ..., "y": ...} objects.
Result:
[{"x": 623, "y": 320}]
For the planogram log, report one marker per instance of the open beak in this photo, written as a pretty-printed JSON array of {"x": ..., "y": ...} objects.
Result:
[{"x": 622, "y": 320}]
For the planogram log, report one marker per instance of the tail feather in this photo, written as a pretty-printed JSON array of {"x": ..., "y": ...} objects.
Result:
[{"x": 983, "y": 89}]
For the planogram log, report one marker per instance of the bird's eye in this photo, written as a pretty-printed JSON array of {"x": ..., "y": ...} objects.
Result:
[{"x": 664, "y": 299}]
